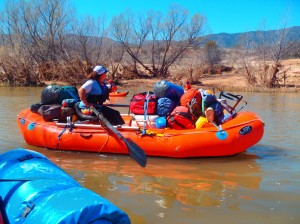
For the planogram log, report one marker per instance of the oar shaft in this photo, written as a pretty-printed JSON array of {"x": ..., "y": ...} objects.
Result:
[
  {"x": 118, "y": 105},
  {"x": 135, "y": 151},
  {"x": 97, "y": 126},
  {"x": 108, "y": 124}
]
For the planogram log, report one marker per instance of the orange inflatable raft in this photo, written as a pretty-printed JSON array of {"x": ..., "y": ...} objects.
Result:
[
  {"x": 237, "y": 135},
  {"x": 118, "y": 93}
]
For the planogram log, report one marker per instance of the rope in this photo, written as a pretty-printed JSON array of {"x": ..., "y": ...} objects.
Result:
[
  {"x": 145, "y": 112},
  {"x": 107, "y": 137},
  {"x": 63, "y": 131}
]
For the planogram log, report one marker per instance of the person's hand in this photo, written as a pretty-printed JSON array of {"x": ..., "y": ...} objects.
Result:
[
  {"x": 106, "y": 102},
  {"x": 87, "y": 104}
]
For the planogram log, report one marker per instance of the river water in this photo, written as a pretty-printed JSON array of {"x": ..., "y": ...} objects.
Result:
[{"x": 261, "y": 185}]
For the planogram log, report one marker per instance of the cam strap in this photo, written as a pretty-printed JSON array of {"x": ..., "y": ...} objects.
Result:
[{"x": 68, "y": 125}]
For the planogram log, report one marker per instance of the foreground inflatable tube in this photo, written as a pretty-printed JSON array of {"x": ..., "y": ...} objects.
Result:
[{"x": 35, "y": 190}]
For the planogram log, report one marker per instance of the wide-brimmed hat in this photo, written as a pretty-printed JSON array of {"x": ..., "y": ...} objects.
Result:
[{"x": 100, "y": 69}]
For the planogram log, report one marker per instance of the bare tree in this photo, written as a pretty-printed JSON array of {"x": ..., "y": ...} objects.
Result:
[
  {"x": 273, "y": 47},
  {"x": 244, "y": 58},
  {"x": 131, "y": 34},
  {"x": 37, "y": 40},
  {"x": 155, "y": 42},
  {"x": 261, "y": 61},
  {"x": 89, "y": 41},
  {"x": 114, "y": 57},
  {"x": 212, "y": 53}
]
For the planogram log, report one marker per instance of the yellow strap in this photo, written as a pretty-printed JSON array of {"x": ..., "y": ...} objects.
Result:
[{"x": 149, "y": 132}]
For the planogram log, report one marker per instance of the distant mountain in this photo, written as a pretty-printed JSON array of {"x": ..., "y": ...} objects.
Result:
[
  {"x": 226, "y": 40},
  {"x": 223, "y": 40}
]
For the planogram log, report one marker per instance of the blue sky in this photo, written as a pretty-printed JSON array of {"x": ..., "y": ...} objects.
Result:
[{"x": 229, "y": 16}]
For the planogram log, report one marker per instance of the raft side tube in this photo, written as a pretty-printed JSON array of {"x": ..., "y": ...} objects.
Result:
[{"x": 35, "y": 190}]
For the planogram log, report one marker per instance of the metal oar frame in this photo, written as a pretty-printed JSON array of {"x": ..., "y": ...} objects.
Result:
[{"x": 236, "y": 99}]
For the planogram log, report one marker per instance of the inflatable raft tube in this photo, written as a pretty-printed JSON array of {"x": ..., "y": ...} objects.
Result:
[
  {"x": 118, "y": 93},
  {"x": 35, "y": 190}
]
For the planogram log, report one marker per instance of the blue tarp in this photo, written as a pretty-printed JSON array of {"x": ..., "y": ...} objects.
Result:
[{"x": 35, "y": 190}]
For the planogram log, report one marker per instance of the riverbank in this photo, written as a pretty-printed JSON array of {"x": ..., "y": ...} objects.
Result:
[
  {"x": 225, "y": 82},
  {"x": 233, "y": 81}
]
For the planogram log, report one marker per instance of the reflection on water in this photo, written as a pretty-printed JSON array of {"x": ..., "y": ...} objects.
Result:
[
  {"x": 258, "y": 186},
  {"x": 188, "y": 183},
  {"x": 189, "y": 180}
]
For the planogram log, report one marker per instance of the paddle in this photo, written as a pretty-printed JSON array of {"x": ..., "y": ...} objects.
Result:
[
  {"x": 221, "y": 134},
  {"x": 117, "y": 105},
  {"x": 136, "y": 152}
]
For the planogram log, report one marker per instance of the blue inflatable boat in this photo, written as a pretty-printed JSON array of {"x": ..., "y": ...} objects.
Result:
[{"x": 33, "y": 190}]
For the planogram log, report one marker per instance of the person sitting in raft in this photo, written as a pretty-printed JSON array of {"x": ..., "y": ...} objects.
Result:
[
  {"x": 111, "y": 86},
  {"x": 94, "y": 92},
  {"x": 187, "y": 85}
]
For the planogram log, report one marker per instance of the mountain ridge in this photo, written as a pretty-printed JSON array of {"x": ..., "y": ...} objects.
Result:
[{"x": 228, "y": 40}]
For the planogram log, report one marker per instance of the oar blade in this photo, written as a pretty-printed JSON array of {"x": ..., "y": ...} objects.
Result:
[
  {"x": 222, "y": 135},
  {"x": 136, "y": 152}
]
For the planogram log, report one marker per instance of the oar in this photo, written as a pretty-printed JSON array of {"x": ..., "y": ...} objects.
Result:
[
  {"x": 209, "y": 113},
  {"x": 221, "y": 134},
  {"x": 118, "y": 105},
  {"x": 135, "y": 151}
]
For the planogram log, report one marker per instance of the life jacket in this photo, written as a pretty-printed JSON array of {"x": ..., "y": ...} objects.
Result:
[{"x": 98, "y": 99}]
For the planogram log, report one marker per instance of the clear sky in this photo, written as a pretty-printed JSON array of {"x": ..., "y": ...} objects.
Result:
[{"x": 229, "y": 16}]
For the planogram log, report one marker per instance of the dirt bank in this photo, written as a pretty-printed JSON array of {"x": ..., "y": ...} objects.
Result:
[{"x": 234, "y": 81}]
